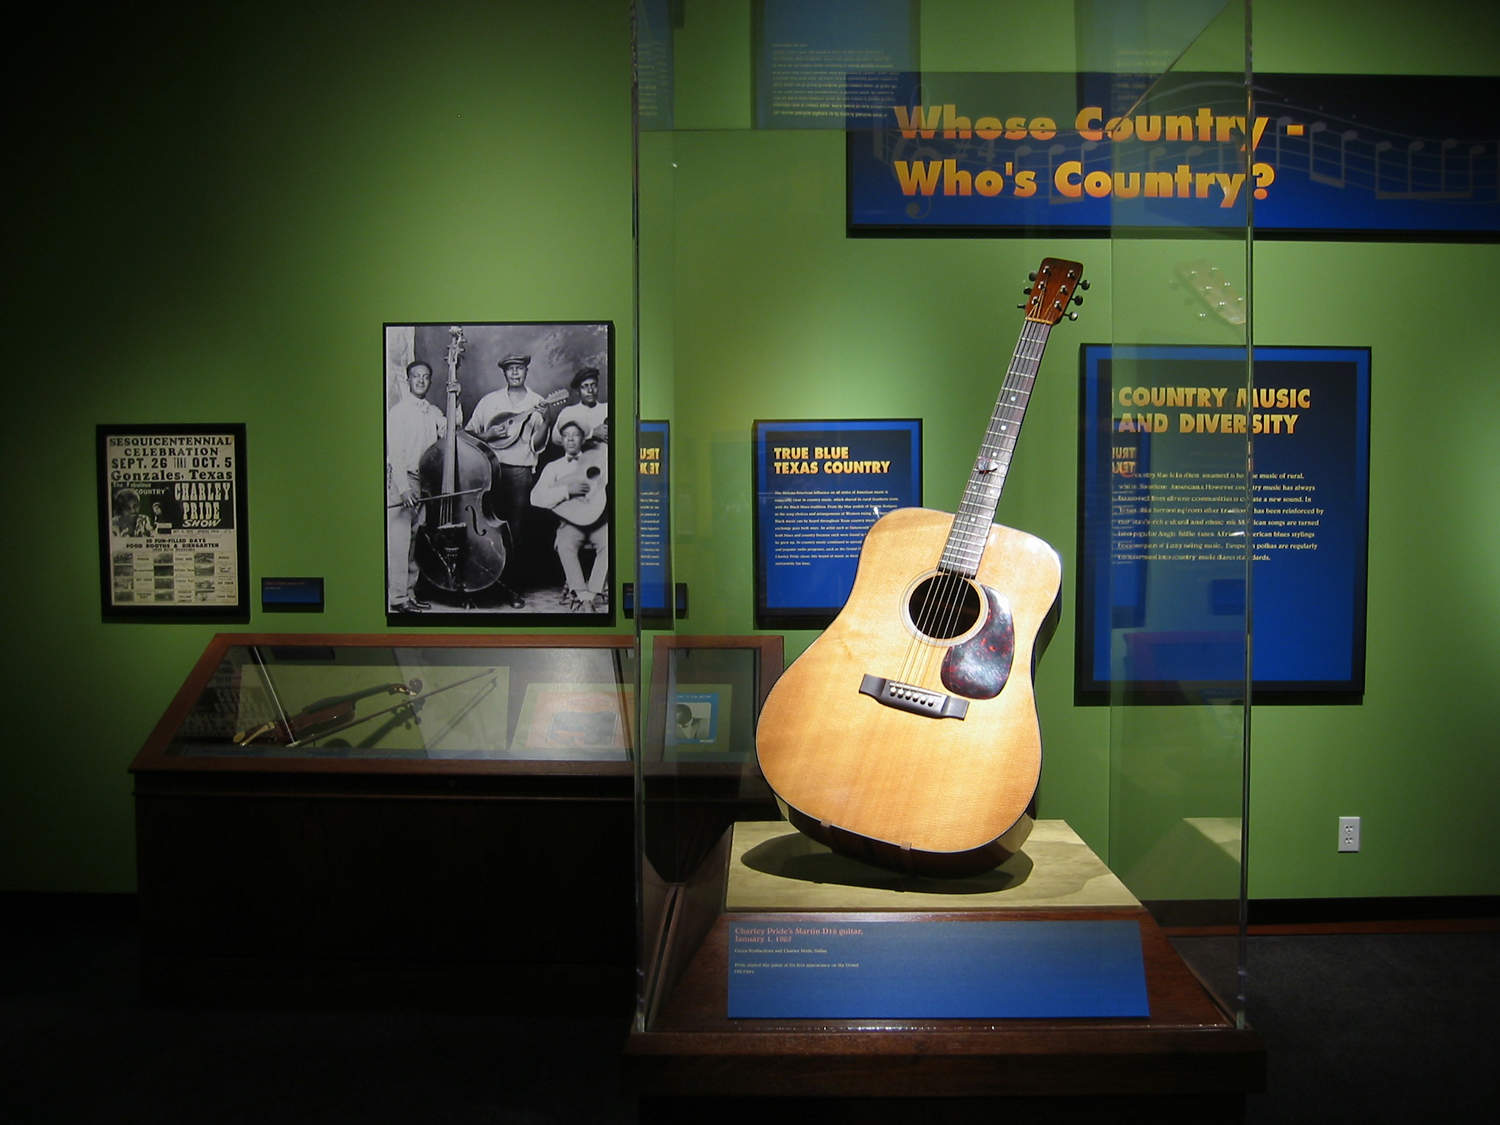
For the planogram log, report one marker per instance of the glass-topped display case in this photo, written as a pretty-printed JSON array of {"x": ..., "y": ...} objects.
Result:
[
  {"x": 348, "y": 801},
  {"x": 873, "y": 240},
  {"x": 303, "y": 702}
]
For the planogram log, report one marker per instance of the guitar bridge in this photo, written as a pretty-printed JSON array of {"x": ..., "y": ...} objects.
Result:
[{"x": 917, "y": 700}]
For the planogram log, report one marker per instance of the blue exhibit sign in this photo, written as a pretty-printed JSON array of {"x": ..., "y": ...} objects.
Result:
[
  {"x": 1358, "y": 156},
  {"x": 897, "y": 969},
  {"x": 297, "y": 594},
  {"x": 819, "y": 486},
  {"x": 808, "y": 52},
  {"x": 1164, "y": 501},
  {"x": 654, "y": 510}
]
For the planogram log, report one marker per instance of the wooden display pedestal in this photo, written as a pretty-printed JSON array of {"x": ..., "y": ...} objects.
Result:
[
  {"x": 1186, "y": 1061},
  {"x": 362, "y": 883}
]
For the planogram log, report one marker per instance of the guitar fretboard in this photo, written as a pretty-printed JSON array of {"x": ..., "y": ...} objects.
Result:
[{"x": 976, "y": 511}]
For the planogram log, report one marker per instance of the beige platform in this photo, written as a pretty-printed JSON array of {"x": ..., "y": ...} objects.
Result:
[{"x": 772, "y": 866}]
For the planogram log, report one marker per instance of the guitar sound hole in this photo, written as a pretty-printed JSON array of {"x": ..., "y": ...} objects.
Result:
[{"x": 943, "y": 607}]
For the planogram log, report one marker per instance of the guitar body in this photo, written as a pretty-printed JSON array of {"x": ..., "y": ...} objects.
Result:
[
  {"x": 592, "y": 466},
  {"x": 917, "y": 792}
]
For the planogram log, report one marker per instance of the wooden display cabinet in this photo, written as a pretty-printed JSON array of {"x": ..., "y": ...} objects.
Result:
[{"x": 324, "y": 802}]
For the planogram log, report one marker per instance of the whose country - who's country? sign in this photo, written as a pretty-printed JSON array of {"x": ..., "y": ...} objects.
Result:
[{"x": 1354, "y": 154}]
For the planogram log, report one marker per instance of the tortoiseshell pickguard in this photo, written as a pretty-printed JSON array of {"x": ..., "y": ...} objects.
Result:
[{"x": 979, "y": 667}]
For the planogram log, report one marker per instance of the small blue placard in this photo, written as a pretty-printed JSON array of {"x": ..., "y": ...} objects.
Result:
[
  {"x": 936, "y": 970},
  {"x": 294, "y": 594}
]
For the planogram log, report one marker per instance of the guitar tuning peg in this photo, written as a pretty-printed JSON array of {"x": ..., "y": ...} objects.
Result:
[
  {"x": 1072, "y": 316},
  {"x": 1078, "y": 298},
  {"x": 1031, "y": 276},
  {"x": 1084, "y": 284},
  {"x": 1021, "y": 306}
]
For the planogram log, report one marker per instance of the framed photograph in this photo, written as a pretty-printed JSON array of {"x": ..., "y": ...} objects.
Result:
[
  {"x": 706, "y": 693},
  {"x": 1161, "y": 531},
  {"x": 173, "y": 542},
  {"x": 819, "y": 486},
  {"x": 497, "y": 472}
]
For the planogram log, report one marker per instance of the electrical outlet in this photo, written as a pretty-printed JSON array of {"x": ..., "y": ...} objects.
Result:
[{"x": 1348, "y": 833}]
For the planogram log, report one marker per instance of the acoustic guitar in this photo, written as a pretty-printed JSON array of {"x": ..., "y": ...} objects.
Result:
[
  {"x": 592, "y": 467},
  {"x": 906, "y": 735}
]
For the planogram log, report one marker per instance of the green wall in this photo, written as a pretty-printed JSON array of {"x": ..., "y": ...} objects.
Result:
[
  {"x": 216, "y": 214},
  {"x": 215, "y": 211}
]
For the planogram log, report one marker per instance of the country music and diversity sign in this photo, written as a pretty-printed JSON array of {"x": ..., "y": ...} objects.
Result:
[
  {"x": 1162, "y": 595},
  {"x": 1318, "y": 155}
]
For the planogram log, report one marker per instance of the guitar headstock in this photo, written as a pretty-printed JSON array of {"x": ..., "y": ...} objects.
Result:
[{"x": 1053, "y": 285}]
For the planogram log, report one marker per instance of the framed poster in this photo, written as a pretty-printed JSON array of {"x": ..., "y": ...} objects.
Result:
[
  {"x": 819, "y": 486},
  {"x": 1162, "y": 592},
  {"x": 497, "y": 472},
  {"x": 173, "y": 541}
]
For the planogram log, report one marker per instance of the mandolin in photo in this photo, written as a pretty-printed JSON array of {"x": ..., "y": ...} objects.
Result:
[{"x": 906, "y": 735}]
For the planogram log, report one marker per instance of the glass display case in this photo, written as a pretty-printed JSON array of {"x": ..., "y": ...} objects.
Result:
[
  {"x": 862, "y": 230},
  {"x": 300, "y": 702},
  {"x": 343, "y": 800}
]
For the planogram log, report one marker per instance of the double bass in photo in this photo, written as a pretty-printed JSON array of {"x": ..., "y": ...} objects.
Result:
[{"x": 460, "y": 547}]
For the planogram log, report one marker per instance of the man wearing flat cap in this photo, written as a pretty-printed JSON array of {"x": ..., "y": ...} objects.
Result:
[{"x": 511, "y": 422}]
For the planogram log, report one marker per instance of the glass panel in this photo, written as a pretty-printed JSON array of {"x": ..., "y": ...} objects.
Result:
[
  {"x": 308, "y": 703},
  {"x": 757, "y": 303},
  {"x": 1169, "y": 612}
]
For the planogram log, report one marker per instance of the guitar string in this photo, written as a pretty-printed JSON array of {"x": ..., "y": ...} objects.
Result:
[
  {"x": 948, "y": 591},
  {"x": 984, "y": 493}
]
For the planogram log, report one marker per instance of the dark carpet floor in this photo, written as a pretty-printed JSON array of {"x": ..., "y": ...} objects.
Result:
[{"x": 1359, "y": 1027}]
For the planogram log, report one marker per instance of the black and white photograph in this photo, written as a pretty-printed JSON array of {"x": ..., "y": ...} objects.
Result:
[{"x": 497, "y": 468}]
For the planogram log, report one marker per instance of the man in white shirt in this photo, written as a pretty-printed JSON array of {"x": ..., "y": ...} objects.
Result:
[
  {"x": 574, "y": 486},
  {"x": 411, "y": 428}
]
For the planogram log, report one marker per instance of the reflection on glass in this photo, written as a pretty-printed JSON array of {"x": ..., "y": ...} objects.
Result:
[{"x": 290, "y": 701}]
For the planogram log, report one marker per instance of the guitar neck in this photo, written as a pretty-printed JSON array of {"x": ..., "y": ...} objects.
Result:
[{"x": 976, "y": 511}]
